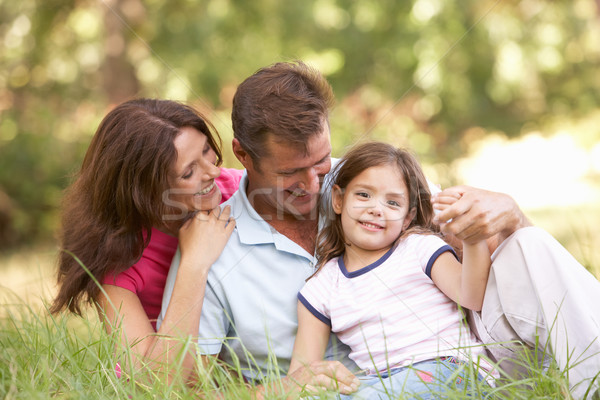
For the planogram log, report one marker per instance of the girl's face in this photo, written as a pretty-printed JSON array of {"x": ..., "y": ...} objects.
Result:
[
  {"x": 374, "y": 211},
  {"x": 193, "y": 183}
]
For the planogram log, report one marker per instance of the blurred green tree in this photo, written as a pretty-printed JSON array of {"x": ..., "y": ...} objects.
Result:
[{"x": 428, "y": 74}]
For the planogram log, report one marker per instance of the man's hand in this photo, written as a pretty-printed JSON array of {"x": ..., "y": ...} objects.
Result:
[
  {"x": 472, "y": 215},
  {"x": 321, "y": 375}
]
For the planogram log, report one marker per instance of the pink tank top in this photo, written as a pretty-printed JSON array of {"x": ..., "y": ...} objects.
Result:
[{"x": 147, "y": 277}]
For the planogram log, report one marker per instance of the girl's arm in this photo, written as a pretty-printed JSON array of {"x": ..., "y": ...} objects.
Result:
[
  {"x": 311, "y": 339},
  {"x": 464, "y": 283},
  {"x": 201, "y": 240},
  {"x": 307, "y": 370}
]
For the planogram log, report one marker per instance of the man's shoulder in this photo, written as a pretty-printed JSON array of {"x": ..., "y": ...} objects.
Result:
[{"x": 242, "y": 248}]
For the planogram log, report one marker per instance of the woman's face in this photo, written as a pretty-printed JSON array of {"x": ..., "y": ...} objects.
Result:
[{"x": 193, "y": 180}]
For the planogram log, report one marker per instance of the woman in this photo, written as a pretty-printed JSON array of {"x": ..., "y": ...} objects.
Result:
[{"x": 151, "y": 176}]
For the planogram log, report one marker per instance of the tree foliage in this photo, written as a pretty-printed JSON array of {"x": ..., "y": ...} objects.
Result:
[{"x": 428, "y": 74}]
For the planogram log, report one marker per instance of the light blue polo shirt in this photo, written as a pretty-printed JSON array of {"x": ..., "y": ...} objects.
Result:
[{"x": 251, "y": 296}]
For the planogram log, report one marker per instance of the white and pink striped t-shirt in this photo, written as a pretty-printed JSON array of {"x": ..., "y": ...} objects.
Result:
[{"x": 390, "y": 313}]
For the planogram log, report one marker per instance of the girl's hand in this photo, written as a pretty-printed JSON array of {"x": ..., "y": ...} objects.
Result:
[
  {"x": 444, "y": 199},
  {"x": 322, "y": 375},
  {"x": 203, "y": 237}
]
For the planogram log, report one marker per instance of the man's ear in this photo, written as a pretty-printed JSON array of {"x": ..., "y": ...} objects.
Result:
[
  {"x": 241, "y": 154},
  {"x": 409, "y": 218},
  {"x": 337, "y": 199}
]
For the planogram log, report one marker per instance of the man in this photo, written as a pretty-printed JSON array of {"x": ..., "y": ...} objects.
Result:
[{"x": 282, "y": 138}]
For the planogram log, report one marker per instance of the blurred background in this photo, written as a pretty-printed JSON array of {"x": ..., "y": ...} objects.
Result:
[{"x": 503, "y": 95}]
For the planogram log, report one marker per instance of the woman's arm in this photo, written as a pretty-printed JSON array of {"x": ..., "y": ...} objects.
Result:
[{"x": 201, "y": 240}]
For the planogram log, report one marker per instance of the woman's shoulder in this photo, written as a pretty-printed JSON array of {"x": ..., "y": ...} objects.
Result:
[
  {"x": 231, "y": 174},
  {"x": 229, "y": 181},
  {"x": 154, "y": 263}
]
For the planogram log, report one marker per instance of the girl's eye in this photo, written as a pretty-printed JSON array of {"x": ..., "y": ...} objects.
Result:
[
  {"x": 362, "y": 194},
  {"x": 393, "y": 203},
  {"x": 206, "y": 149}
]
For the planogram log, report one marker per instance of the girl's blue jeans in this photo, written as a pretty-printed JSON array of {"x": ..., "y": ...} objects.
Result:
[{"x": 424, "y": 380}]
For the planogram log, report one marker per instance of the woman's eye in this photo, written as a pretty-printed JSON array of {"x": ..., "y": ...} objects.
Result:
[
  {"x": 206, "y": 149},
  {"x": 188, "y": 175}
]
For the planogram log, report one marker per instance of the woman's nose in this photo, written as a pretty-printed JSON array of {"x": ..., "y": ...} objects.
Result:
[{"x": 211, "y": 171}]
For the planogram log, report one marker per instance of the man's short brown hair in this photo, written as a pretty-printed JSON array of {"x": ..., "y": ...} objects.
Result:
[{"x": 289, "y": 100}]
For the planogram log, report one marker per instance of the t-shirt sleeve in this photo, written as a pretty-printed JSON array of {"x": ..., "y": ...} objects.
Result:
[
  {"x": 129, "y": 279},
  {"x": 428, "y": 248},
  {"x": 315, "y": 295}
]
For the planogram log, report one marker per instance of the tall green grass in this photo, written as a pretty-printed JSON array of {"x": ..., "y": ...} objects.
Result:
[{"x": 68, "y": 357}]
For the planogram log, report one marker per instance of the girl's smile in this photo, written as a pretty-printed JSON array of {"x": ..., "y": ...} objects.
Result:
[{"x": 374, "y": 212}]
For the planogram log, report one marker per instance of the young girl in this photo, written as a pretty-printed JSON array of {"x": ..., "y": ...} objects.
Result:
[{"x": 387, "y": 285}]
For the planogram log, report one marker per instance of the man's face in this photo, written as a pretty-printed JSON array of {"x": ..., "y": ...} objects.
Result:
[{"x": 286, "y": 181}]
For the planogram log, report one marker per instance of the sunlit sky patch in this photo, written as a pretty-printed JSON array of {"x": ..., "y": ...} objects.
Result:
[{"x": 536, "y": 171}]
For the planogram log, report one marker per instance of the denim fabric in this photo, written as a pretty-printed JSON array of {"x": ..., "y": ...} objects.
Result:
[{"x": 423, "y": 380}]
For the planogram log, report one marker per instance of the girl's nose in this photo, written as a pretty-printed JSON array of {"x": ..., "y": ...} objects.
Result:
[{"x": 374, "y": 208}]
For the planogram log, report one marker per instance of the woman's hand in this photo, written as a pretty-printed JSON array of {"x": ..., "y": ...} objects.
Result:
[{"x": 203, "y": 237}]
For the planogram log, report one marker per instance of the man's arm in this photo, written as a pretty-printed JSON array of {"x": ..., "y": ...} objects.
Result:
[{"x": 477, "y": 214}]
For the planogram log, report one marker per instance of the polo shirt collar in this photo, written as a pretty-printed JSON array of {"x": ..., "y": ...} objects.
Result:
[{"x": 252, "y": 228}]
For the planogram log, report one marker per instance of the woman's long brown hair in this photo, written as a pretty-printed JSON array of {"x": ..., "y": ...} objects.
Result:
[
  {"x": 331, "y": 242},
  {"x": 117, "y": 196}
]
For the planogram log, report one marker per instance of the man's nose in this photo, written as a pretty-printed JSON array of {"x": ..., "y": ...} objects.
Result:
[{"x": 311, "y": 181}]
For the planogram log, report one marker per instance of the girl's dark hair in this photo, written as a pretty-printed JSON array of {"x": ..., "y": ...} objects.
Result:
[
  {"x": 117, "y": 196},
  {"x": 331, "y": 242}
]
